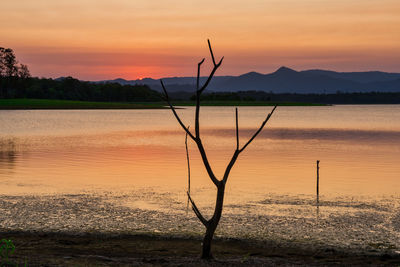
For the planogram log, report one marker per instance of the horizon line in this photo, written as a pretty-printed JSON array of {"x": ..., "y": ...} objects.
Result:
[{"x": 280, "y": 68}]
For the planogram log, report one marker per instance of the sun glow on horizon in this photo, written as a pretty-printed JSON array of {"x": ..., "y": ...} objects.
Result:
[{"x": 96, "y": 40}]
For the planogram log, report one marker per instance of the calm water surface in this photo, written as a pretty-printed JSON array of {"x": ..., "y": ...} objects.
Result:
[
  {"x": 136, "y": 160},
  {"x": 75, "y": 150}
]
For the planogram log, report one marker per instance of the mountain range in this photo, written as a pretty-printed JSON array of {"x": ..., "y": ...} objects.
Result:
[{"x": 283, "y": 80}]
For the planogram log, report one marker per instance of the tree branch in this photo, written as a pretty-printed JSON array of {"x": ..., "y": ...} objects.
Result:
[
  {"x": 173, "y": 111},
  {"x": 212, "y": 54},
  {"x": 198, "y": 73},
  {"x": 206, "y": 163},
  {"x": 216, "y": 66},
  {"x": 196, "y": 126},
  {"x": 259, "y": 130},
  {"x": 197, "y": 138},
  {"x": 188, "y": 164},
  {"x": 238, "y": 151},
  {"x": 210, "y": 76},
  {"x": 230, "y": 165},
  {"x": 197, "y": 116},
  {"x": 197, "y": 212}
]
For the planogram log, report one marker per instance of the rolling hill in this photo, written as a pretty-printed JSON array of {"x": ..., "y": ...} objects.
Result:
[{"x": 285, "y": 80}]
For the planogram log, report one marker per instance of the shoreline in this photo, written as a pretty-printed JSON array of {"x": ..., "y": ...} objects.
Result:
[
  {"x": 38, "y": 248},
  {"x": 49, "y": 104},
  {"x": 72, "y": 229},
  {"x": 54, "y": 104}
]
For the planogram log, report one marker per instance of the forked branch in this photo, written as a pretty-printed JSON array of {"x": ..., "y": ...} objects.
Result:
[
  {"x": 197, "y": 115},
  {"x": 196, "y": 137},
  {"x": 238, "y": 151},
  {"x": 216, "y": 66}
]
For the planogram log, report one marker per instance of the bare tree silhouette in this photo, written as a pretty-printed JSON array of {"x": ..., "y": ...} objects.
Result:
[{"x": 212, "y": 223}]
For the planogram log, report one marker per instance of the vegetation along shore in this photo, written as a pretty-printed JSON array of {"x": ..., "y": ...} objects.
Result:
[
  {"x": 72, "y": 104},
  {"x": 12, "y": 104}
]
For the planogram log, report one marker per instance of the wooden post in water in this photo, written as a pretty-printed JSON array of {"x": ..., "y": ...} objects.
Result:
[{"x": 317, "y": 182}]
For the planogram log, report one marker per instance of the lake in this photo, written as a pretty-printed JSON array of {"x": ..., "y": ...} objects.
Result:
[{"x": 126, "y": 170}]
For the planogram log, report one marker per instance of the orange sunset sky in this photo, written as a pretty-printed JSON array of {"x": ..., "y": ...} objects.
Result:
[{"x": 99, "y": 39}]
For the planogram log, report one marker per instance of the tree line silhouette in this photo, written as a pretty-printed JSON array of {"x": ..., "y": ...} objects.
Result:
[
  {"x": 16, "y": 82},
  {"x": 9, "y": 66},
  {"x": 73, "y": 89},
  {"x": 337, "y": 98}
]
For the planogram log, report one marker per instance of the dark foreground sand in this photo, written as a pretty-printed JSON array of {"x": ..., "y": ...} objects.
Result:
[{"x": 84, "y": 249}]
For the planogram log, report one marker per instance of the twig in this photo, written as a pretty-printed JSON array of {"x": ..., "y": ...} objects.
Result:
[
  {"x": 259, "y": 130},
  {"x": 173, "y": 111}
]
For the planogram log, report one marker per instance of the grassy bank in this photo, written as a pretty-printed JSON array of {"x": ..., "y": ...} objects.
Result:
[
  {"x": 244, "y": 103},
  {"x": 71, "y": 104}
]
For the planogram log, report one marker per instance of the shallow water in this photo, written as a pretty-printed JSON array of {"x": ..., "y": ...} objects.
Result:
[{"x": 125, "y": 170}]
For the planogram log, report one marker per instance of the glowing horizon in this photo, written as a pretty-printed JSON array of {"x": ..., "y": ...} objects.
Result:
[{"x": 96, "y": 40}]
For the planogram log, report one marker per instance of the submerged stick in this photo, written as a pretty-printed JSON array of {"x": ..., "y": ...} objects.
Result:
[{"x": 317, "y": 182}]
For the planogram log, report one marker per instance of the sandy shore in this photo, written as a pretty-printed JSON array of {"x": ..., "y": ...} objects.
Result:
[
  {"x": 84, "y": 249},
  {"x": 96, "y": 229}
]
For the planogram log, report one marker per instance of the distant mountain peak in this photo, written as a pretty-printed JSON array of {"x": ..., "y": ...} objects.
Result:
[
  {"x": 251, "y": 74},
  {"x": 284, "y": 69}
]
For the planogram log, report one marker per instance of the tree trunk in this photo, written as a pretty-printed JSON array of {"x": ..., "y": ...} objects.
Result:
[
  {"x": 206, "y": 253},
  {"x": 213, "y": 223}
]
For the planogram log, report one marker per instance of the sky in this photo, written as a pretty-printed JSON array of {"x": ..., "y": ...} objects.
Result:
[{"x": 131, "y": 39}]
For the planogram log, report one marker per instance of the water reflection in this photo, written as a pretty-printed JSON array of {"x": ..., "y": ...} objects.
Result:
[
  {"x": 70, "y": 151},
  {"x": 342, "y": 135},
  {"x": 8, "y": 157}
]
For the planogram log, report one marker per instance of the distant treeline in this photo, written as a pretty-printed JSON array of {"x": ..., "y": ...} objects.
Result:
[
  {"x": 73, "y": 89},
  {"x": 16, "y": 82},
  {"x": 337, "y": 98}
]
